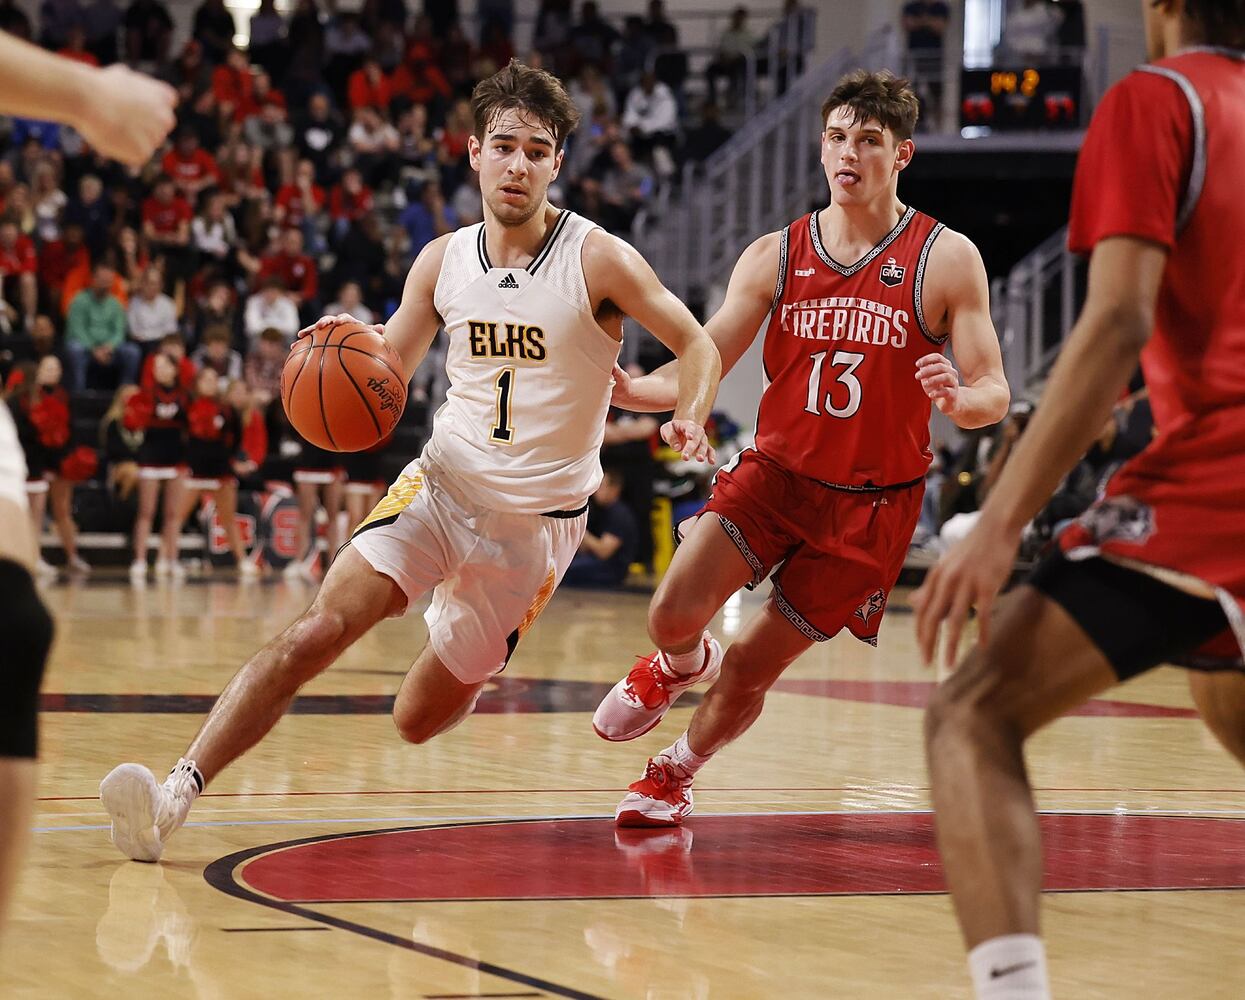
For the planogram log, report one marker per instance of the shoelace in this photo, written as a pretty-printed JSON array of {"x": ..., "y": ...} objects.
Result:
[
  {"x": 182, "y": 788},
  {"x": 662, "y": 780},
  {"x": 647, "y": 682}
]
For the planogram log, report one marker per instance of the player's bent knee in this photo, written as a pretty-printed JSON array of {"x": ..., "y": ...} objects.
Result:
[
  {"x": 27, "y": 629},
  {"x": 979, "y": 698},
  {"x": 673, "y": 618}
]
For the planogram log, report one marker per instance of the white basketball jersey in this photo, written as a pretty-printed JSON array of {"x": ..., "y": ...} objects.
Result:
[{"x": 530, "y": 373}]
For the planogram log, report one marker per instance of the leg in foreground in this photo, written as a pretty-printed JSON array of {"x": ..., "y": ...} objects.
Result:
[
  {"x": 766, "y": 647},
  {"x": 353, "y": 599},
  {"x": 1038, "y": 665}
]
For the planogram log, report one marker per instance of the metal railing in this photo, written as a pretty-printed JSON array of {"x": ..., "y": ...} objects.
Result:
[
  {"x": 1035, "y": 307},
  {"x": 768, "y": 173}
]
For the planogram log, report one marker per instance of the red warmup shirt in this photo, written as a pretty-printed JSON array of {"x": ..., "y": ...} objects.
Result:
[
  {"x": 290, "y": 198},
  {"x": 343, "y": 205},
  {"x": 19, "y": 258},
  {"x": 1163, "y": 161},
  {"x": 166, "y": 218},
  {"x": 364, "y": 93},
  {"x": 192, "y": 169},
  {"x": 298, "y": 273},
  {"x": 842, "y": 404}
]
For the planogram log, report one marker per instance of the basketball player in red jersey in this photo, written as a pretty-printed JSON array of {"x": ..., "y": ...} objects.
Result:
[
  {"x": 1154, "y": 572},
  {"x": 829, "y": 497}
]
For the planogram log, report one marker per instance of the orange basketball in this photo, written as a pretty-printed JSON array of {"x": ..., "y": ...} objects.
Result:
[{"x": 342, "y": 387}]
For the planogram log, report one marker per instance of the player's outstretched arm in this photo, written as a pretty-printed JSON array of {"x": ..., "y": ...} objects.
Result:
[
  {"x": 123, "y": 114},
  {"x": 615, "y": 271},
  {"x": 733, "y": 328},
  {"x": 977, "y": 395},
  {"x": 1095, "y": 364},
  {"x": 414, "y": 324}
]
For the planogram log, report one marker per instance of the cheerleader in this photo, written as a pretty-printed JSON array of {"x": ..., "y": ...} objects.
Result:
[
  {"x": 41, "y": 407},
  {"x": 212, "y": 446},
  {"x": 365, "y": 480},
  {"x": 318, "y": 478},
  {"x": 120, "y": 445},
  {"x": 160, "y": 413}
]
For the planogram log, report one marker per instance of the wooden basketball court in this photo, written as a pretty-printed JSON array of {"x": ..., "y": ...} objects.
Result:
[{"x": 337, "y": 861}]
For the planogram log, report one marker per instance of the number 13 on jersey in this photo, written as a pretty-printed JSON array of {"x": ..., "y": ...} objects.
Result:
[{"x": 846, "y": 377}]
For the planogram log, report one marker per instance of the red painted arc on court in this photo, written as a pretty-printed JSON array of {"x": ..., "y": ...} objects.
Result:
[{"x": 753, "y": 855}]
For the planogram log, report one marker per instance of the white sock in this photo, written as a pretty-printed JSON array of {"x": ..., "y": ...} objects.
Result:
[
  {"x": 685, "y": 756},
  {"x": 1011, "y": 967},
  {"x": 683, "y": 664}
]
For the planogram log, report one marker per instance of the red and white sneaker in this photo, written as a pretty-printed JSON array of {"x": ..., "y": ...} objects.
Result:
[
  {"x": 663, "y": 797},
  {"x": 641, "y": 699}
]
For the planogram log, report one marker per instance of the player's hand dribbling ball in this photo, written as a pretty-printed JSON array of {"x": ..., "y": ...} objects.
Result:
[{"x": 342, "y": 386}]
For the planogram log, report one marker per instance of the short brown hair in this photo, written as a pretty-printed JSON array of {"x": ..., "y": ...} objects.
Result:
[
  {"x": 881, "y": 97},
  {"x": 523, "y": 88}
]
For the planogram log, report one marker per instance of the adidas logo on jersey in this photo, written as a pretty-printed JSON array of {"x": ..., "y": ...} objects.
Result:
[{"x": 508, "y": 281}]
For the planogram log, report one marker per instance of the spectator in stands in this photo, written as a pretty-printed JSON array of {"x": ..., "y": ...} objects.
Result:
[
  {"x": 459, "y": 61},
  {"x": 218, "y": 306},
  {"x": 92, "y": 212},
  {"x": 417, "y": 150},
  {"x": 593, "y": 39},
  {"x": 1030, "y": 31},
  {"x": 166, "y": 228},
  {"x": 268, "y": 130},
  {"x": 101, "y": 20},
  {"x": 152, "y": 314},
  {"x": 131, "y": 259},
  {"x": 266, "y": 46},
  {"x": 56, "y": 17},
  {"x": 591, "y": 94},
  {"x": 48, "y": 202},
  {"x": 148, "y": 30},
  {"x": 452, "y": 145},
  {"x": 660, "y": 28},
  {"x": 705, "y": 139},
  {"x": 300, "y": 202},
  {"x": 467, "y": 206},
  {"x": 76, "y": 48},
  {"x": 625, "y": 186},
  {"x": 426, "y": 217},
  {"x": 191, "y": 168},
  {"x": 345, "y": 46},
  {"x": 419, "y": 80},
  {"x": 375, "y": 144},
  {"x": 350, "y": 300},
  {"x": 262, "y": 369},
  {"x": 730, "y": 59},
  {"x": 271, "y": 308},
  {"x": 318, "y": 133},
  {"x": 58, "y": 259},
  {"x": 172, "y": 346},
  {"x": 215, "y": 236},
  {"x": 305, "y": 51},
  {"x": 216, "y": 353},
  {"x": 95, "y": 332},
  {"x": 298, "y": 272},
  {"x": 361, "y": 257},
  {"x": 651, "y": 118},
  {"x": 369, "y": 87},
  {"x": 213, "y": 28},
  {"x": 496, "y": 46},
  {"x": 19, "y": 264},
  {"x": 609, "y": 543},
  {"x": 120, "y": 445},
  {"x": 349, "y": 201},
  {"x": 552, "y": 32}
]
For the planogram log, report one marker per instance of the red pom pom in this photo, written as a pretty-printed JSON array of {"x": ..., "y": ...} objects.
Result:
[
  {"x": 205, "y": 420},
  {"x": 80, "y": 464},
  {"x": 140, "y": 410}
]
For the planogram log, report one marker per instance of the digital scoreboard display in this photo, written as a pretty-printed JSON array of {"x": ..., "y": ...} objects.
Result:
[{"x": 1021, "y": 98}]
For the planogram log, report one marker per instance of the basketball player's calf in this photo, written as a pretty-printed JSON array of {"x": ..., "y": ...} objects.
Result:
[
  {"x": 1076, "y": 631},
  {"x": 431, "y": 700},
  {"x": 354, "y": 597}
]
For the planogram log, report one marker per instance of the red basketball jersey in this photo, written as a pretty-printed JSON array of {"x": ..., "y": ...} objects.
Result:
[
  {"x": 842, "y": 404},
  {"x": 1163, "y": 161}
]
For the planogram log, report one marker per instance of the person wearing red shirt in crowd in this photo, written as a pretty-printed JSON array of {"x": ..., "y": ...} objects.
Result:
[
  {"x": 420, "y": 79},
  {"x": 350, "y": 200},
  {"x": 166, "y": 225},
  {"x": 214, "y": 437},
  {"x": 172, "y": 347},
  {"x": 44, "y": 427},
  {"x": 58, "y": 259},
  {"x": 191, "y": 168},
  {"x": 301, "y": 200},
  {"x": 293, "y": 267},
  {"x": 234, "y": 87},
  {"x": 369, "y": 87},
  {"x": 263, "y": 93},
  {"x": 75, "y": 47},
  {"x": 18, "y": 264},
  {"x": 1154, "y": 572},
  {"x": 159, "y": 411}
]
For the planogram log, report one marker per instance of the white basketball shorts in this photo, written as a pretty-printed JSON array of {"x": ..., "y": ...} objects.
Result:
[
  {"x": 12, "y": 461},
  {"x": 491, "y": 572}
]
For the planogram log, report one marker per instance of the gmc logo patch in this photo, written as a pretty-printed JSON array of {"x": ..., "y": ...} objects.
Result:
[{"x": 891, "y": 273}]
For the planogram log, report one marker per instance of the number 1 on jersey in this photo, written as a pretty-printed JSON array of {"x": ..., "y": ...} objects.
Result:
[
  {"x": 846, "y": 377},
  {"x": 502, "y": 432}
]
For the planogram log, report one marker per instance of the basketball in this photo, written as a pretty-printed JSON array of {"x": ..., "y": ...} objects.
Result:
[{"x": 342, "y": 387}]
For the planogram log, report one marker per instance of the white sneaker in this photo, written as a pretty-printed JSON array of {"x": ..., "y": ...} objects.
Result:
[
  {"x": 641, "y": 699},
  {"x": 78, "y": 566},
  {"x": 177, "y": 569},
  {"x": 138, "y": 570},
  {"x": 663, "y": 797},
  {"x": 163, "y": 567},
  {"x": 248, "y": 569},
  {"x": 144, "y": 814},
  {"x": 45, "y": 570}
]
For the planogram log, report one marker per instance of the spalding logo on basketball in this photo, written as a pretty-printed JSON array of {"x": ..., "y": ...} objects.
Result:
[{"x": 343, "y": 387}]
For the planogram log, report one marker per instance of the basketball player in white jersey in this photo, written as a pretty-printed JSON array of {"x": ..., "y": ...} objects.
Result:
[
  {"x": 490, "y": 515},
  {"x": 124, "y": 115}
]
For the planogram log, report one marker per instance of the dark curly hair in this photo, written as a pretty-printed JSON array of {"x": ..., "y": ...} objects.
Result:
[
  {"x": 881, "y": 97},
  {"x": 522, "y": 88}
]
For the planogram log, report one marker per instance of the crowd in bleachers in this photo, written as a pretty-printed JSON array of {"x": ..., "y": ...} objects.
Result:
[{"x": 304, "y": 175}]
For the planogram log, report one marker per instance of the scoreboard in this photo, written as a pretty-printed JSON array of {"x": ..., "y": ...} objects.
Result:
[{"x": 1029, "y": 97}]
